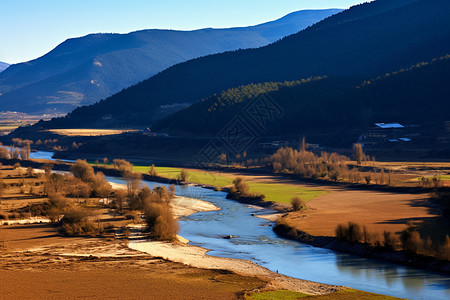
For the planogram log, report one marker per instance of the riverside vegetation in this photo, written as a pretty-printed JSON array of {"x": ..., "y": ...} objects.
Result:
[
  {"x": 73, "y": 200},
  {"x": 286, "y": 160}
]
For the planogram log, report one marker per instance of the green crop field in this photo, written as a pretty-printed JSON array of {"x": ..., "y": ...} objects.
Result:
[
  {"x": 194, "y": 176},
  {"x": 276, "y": 192},
  {"x": 283, "y": 193}
]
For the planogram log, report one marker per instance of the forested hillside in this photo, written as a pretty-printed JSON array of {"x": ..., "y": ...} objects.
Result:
[
  {"x": 360, "y": 43},
  {"x": 83, "y": 70},
  {"x": 416, "y": 95}
]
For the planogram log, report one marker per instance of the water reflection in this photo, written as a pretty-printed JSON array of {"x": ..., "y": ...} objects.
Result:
[{"x": 256, "y": 241}]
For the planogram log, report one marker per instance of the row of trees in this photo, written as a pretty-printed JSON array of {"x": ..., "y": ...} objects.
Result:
[
  {"x": 15, "y": 153},
  {"x": 309, "y": 165},
  {"x": 331, "y": 166},
  {"x": 409, "y": 240}
]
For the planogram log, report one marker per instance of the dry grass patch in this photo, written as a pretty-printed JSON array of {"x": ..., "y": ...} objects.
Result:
[{"x": 89, "y": 132}]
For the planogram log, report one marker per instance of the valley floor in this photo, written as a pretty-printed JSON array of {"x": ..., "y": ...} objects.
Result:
[{"x": 100, "y": 269}]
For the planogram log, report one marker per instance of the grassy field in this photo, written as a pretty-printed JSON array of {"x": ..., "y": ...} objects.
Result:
[
  {"x": 440, "y": 177},
  {"x": 8, "y": 127},
  {"x": 194, "y": 176},
  {"x": 276, "y": 192},
  {"x": 89, "y": 132},
  {"x": 5, "y": 129},
  {"x": 283, "y": 193},
  {"x": 341, "y": 295}
]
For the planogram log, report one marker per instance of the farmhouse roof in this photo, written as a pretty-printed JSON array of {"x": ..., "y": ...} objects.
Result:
[{"x": 389, "y": 125}]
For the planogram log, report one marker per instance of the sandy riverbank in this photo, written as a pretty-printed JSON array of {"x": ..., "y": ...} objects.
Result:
[
  {"x": 102, "y": 269},
  {"x": 182, "y": 206},
  {"x": 196, "y": 257}
]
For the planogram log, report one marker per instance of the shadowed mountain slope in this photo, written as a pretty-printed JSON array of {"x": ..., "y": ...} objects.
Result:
[
  {"x": 357, "y": 44},
  {"x": 83, "y": 70}
]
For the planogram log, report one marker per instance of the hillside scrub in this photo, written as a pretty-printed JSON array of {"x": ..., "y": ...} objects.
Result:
[{"x": 348, "y": 32}]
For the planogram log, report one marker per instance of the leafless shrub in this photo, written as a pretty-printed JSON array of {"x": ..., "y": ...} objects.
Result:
[
  {"x": 160, "y": 220},
  {"x": 390, "y": 240},
  {"x": 297, "y": 204},
  {"x": 183, "y": 176},
  {"x": 444, "y": 250},
  {"x": 152, "y": 172},
  {"x": 350, "y": 232},
  {"x": 123, "y": 165},
  {"x": 77, "y": 221},
  {"x": 411, "y": 240},
  {"x": 82, "y": 170}
]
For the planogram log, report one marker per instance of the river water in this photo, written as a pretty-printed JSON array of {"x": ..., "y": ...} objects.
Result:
[{"x": 256, "y": 241}]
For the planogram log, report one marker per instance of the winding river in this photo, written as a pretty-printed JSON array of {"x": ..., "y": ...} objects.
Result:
[{"x": 256, "y": 241}]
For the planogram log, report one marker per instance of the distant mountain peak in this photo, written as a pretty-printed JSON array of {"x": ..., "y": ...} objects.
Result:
[
  {"x": 359, "y": 43},
  {"x": 98, "y": 65},
  {"x": 3, "y": 66}
]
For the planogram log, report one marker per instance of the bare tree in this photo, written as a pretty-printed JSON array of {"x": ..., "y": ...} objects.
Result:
[
  {"x": 123, "y": 165},
  {"x": 13, "y": 152},
  {"x": 25, "y": 152},
  {"x": 152, "y": 172},
  {"x": 133, "y": 181},
  {"x": 83, "y": 170},
  {"x": 358, "y": 153},
  {"x": 56, "y": 181},
  {"x": 121, "y": 197}
]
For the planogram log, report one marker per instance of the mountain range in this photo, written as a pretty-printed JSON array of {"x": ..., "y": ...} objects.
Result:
[
  {"x": 83, "y": 70},
  {"x": 357, "y": 44},
  {"x": 3, "y": 66}
]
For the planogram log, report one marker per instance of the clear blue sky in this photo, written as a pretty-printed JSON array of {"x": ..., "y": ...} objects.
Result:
[{"x": 31, "y": 28}]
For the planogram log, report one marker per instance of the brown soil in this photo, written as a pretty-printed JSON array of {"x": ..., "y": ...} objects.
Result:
[
  {"x": 379, "y": 211},
  {"x": 40, "y": 264}
]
